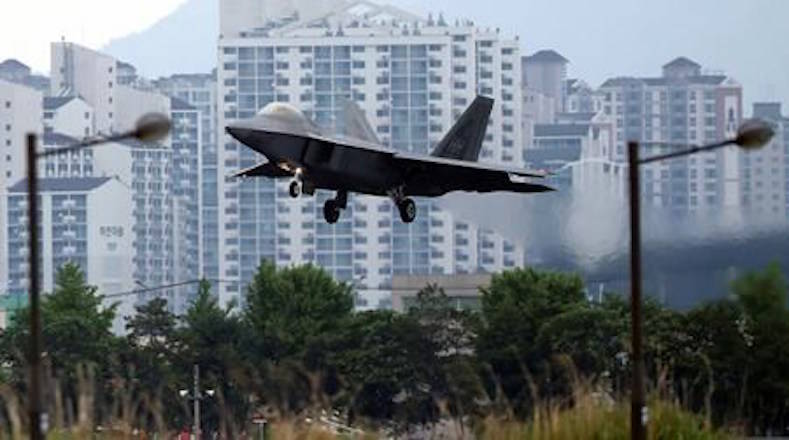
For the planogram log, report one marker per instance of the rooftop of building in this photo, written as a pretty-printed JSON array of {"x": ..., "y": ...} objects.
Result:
[
  {"x": 14, "y": 65},
  {"x": 180, "y": 104},
  {"x": 125, "y": 65},
  {"x": 575, "y": 117},
  {"x": 55, "y": 102},
  {"x": 682, "y": 62},
  {"x": 767, "y": 110},
  {"x": 546, "y": 56},
  {"x": 67, "y": 184},
  {"x": 712, "y": 80},
  {"x": 58, "y": 139},
  {"x": 352, "y": 18},
  {"x": 552, "y": 157},
  {"x": 680, "y": 70},
  {"x": 560, "y": 130}
]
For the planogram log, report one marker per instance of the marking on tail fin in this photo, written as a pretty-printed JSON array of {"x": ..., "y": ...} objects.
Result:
[{"x": 464, "y": 139}]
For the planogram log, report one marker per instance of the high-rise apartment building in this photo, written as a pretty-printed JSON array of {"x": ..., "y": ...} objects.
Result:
[
  {"x": 683, "y": 106},
  {"x": 79, "y": 71},
  {"x": 412, "y": 77},
  {"x": 186, "y": 188},
  {"x": 199, "y": 90},
  {"x": 765, "y": 172},
  {"x": 146, "y": 168},
  {"x": 20, "y": 114},
  {"x": 546, "y": 73},
  {"x": 78, "y": 227}
]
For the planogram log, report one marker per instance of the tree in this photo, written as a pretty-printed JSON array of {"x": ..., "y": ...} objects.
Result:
[
  {"x": 453, "y": 333},
  {"x": 514, "y": 308},
  {"x": 389, "y": 368},
  {"x": 75, "y": 325},
  {"x": 149, "y": 361},
  {"x": 152, "y": 326},
  {"x": 763, "y": 296},
  {"x": 214, "y": 339},
  {"x": 289, "y": 308}
]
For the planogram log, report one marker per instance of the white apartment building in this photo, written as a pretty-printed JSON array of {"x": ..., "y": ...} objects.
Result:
[
  {"x": 76, "y": 226},
  {"x": 412, "y": 77},
  {"x": 187, "y": 195},
  {"x": 545, "y": 72},
  {"x": 79, "y": 71},
  {"x": 765, "y": 172},
  {"x": 684, "y": 106},
  {"x": 199, "y": 90},
  {"x": 20, "y": 114},
  {"x": 148, "y": 169},
  {"x": 68, "y": 115}
]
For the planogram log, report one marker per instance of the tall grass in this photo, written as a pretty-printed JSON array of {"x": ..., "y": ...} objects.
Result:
[
  {"x": 588, "y": 419},
  {"x": 588, "y": 414}
]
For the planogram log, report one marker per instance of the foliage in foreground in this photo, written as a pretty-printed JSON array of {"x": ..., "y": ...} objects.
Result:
[{"x": 296, "y": 348}]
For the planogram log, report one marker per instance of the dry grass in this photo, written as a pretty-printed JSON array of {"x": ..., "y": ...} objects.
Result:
[
  {"x": 592, "y": 415},
  {"x": 590, "y": 419}
]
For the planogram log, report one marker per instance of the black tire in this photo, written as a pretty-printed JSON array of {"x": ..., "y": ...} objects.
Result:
[
  {"x": 407, "y": 210},
  {"x": 331, "y": 212},
  {"x": 294, "y": 189}
]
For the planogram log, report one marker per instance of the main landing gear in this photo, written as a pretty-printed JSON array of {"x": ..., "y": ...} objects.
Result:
[
  {"x": 332, "y": 207},
  {"x": 405, "y": 205}
]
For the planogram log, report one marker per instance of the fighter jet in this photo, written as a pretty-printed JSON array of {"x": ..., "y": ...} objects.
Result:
[{"x": 298, "y": 149}]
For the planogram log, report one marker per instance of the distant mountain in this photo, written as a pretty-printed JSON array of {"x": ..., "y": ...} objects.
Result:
[{"x": 183, "y": 42}]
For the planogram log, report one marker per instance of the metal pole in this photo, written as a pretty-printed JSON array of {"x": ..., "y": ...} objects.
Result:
[
  {"x": 34, "y": 397},
  {"x": 638, "y": 411},
  {"x": 196, "y": 397}
]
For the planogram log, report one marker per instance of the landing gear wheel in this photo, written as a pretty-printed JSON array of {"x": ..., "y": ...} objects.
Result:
[
  {"x": 295, "y": 189},
  {"x": 407, "y": 209},
  {"x": 331, "y": 212}
]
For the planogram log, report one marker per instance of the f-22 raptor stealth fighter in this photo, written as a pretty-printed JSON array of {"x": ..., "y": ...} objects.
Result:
[{"x": 298, "y": 149}]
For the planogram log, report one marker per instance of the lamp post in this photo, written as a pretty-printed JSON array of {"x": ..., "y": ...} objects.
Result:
[
  {"x": 150, "y": 128},
  {"x": 752, "y": 134},
  {"x": 196, "y": 396}
]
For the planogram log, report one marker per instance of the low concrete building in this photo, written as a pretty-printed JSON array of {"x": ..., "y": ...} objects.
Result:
[{"x": 462, "y": 290}]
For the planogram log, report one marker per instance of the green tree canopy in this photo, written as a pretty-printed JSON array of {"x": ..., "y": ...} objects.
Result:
[{"x": 288, "y": 308}]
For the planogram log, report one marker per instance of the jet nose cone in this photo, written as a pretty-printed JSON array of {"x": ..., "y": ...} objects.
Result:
[{"x": 237, "y": 132}]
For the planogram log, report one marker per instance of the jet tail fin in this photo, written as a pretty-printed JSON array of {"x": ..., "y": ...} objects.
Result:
[
  {"x": 464, "y": 139},
  {"x": 356, "y": 124}
]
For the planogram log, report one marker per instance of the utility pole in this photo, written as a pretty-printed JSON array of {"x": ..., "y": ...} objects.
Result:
[
  {"x": 197, "y": 398},
  {"x": 638, "y": 413},
  {"x": 36, "y": 416}
]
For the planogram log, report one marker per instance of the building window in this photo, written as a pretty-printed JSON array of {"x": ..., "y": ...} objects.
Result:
[{"x": 8, "y": 104}]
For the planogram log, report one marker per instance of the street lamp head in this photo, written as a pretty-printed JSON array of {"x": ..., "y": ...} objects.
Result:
[
  {"x": 152, "y": 127},
  {"x": 754, "y": 134},
  {"x": 210, "y": 393},
  {"x": 183, "y": 393}
]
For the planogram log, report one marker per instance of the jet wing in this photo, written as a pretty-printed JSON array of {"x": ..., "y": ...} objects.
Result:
[
  {"x": 430, "y": 175},
  {"x": 266, "y": 169}
]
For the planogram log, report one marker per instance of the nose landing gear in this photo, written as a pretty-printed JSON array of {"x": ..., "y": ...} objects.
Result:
[{"x": 294, "y": 189}]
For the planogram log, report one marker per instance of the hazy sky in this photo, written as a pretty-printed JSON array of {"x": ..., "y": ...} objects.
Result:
[
  {"x": 748, "y": 39},
  {"x": 28, "y": 26}
]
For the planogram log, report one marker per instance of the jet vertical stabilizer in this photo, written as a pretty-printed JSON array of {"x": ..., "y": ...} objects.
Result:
[{"x": 464, "y": 139}]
